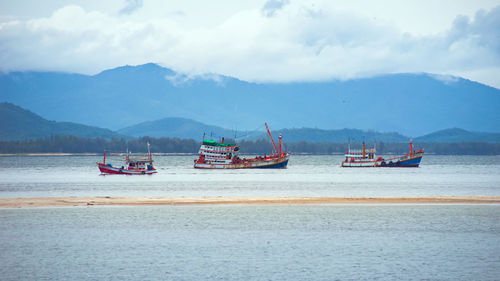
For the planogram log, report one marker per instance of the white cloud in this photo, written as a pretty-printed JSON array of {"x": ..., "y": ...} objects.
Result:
[
  {"x": 131, "y": 6},
  {"x": 276, "y": 41},
  {"x": 181, "y": 80},
  {"x": 447, "y": 79},
  {"x": 271, "y": 7}
]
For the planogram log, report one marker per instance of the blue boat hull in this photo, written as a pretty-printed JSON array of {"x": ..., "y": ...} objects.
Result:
[
  {"x": 412, "y": 162},
  {"x": 275, "y": 166}
]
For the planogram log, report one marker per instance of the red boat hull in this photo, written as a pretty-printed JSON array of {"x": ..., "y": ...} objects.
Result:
[
  {"x": 108, "y": 169},
  {"x": 274, "y": 163}
]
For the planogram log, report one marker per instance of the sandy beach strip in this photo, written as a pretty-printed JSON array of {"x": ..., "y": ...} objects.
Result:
[{"x": 143, "y": 201}]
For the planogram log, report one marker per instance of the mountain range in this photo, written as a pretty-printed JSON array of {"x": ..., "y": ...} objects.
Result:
[
  {"x": 172, "y": 127},
  {"x": 459, "y": 135},
  {"x": 410, "y": 104},
  {"x": 21, "y": 124},
  {"x": 190, "y": 129}
]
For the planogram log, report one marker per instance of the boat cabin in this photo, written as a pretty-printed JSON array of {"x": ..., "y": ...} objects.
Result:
[{"x": 217, "y": 152}]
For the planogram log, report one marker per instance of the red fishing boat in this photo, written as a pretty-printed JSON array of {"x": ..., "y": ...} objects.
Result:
[
  {"x": 220, "y": 155},
  {"x": 134, "y": 165}
]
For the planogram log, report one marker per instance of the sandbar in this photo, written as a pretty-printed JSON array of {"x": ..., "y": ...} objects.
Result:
[{"x": 220, "y": 200}]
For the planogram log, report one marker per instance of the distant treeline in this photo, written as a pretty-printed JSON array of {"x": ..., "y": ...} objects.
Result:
[
  {"x": 468, "y": 148},
  {"x": 72, "y": 144}
]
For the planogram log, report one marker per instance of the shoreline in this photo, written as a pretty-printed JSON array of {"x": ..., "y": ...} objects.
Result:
[{"x": 37, "y": 202}]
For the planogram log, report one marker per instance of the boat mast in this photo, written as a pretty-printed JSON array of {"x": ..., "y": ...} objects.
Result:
[
  {"x": 364, "y": 149},
  {"x": 104, "y": 161},
  {"x": 269, "y": 132},
  {"x": 128, "y": 154},
  {"x": 411, "y": 146},
  {"x": 280, "y": 143},
  {"x": 149, "y": 151}
]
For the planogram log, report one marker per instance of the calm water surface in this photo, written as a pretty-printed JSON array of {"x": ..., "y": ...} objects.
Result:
[
  {"x": 312, "y": 242},
  {"x": 297, "y": 242},
  {"x": 305, "y": 176}
]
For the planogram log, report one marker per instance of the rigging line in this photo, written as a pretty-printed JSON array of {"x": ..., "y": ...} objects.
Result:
[
  {"x": 252, "y": 132},
  {"x": 245, "y": 134}
]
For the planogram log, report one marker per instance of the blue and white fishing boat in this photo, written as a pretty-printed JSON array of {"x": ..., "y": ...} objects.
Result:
[{"x": 367, "y": 158}]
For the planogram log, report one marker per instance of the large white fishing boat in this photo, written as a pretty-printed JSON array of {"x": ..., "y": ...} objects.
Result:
[{"x": 221, "y": 155}]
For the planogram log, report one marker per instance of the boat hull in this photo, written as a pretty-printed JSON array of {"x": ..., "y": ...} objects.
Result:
[
  {"x": 107, "y": 169},
  {"x": 262, "y": 164},
  {"x": 411, "y": 161},
  {"x": 359, "y": 164},
  {"x": 402, "y": 162}
]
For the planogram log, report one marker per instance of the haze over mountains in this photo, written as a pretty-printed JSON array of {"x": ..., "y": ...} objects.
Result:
[
  {"x": 175, "y": 128},
  {"x": 20, "y": 124},
  {"x": 410, "y": 104}
]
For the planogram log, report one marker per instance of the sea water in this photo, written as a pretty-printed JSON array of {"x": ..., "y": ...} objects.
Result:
[
  {"x": 258, "y": 242},
  {"x": 305, "y": 176},
  {"x": 297, "y": 242}
]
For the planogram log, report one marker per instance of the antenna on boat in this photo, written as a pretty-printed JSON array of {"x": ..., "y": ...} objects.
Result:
[
  {"x": 203, "y": 136},
  {"x": 149, "y": 151},
  {"x": 128, "y": 154}
]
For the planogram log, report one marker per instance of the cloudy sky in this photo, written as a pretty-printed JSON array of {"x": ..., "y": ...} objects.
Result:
[{"x": 256, "y": 40}]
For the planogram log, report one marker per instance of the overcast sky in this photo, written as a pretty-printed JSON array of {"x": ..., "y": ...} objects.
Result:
[{"x": 256, "y": 40}]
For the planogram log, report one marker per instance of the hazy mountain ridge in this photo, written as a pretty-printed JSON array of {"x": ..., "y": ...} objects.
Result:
[
  {"x": 185, "y": 128},
  {"x": 20, "y": 124},
  {"x": 339, "y": 136},
  {"x": 172, "y": 127},
  {"x": 411, "y": 104},
  {"x": 459, "y": 135}
]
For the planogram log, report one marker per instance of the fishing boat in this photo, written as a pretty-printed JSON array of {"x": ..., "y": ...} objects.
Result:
[
  {"x": 368, "y": 158},
  {"x": 360, "y": 158},
  {"x": 411, "y": 159},
  {"x": 134, "y": 165},
  {"x": 221, "y": 155}
]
